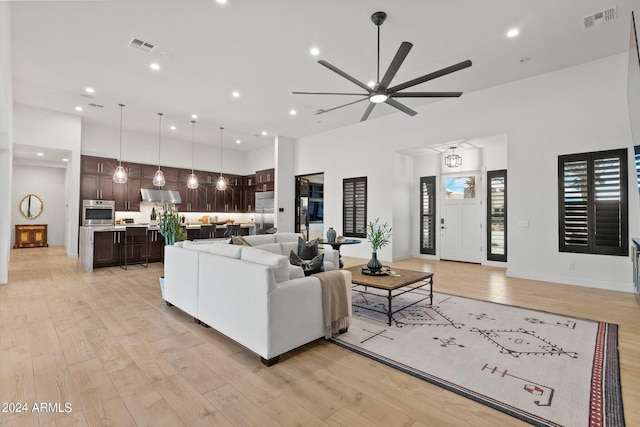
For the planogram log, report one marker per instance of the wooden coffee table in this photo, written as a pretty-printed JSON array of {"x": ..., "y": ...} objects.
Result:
[{"x": 404, "y": 281}]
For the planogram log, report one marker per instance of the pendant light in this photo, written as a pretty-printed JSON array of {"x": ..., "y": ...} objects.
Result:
[
  {"x": 158, "y": 178},
  {"x": 221, "y": 183},
  {"x": 192, "y": 181},
  {"x": 120, "y": 175},
  {"x": 453, "y": 160}
]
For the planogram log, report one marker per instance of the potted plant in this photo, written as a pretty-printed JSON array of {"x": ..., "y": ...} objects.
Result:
[
  {"x": 379, "y": 237},
  {"x": 169, "y": 224}
]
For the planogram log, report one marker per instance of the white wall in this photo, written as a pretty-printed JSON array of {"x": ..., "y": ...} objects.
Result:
[
  {"x": 49, "y": 184},
  {"x": 577, "y": 109},
  {"x": 5, "y": 140},
  {"x": 260, "y": 160},
  {"x": 45, "y": 128},
  {"x": 285, "y": 185},
  {"x": 142, "y": 148}
]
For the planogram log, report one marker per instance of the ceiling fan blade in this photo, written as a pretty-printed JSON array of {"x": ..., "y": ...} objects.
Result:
[
  {"x": 368, "y": 111},
  {"x": 401, "y": 55},
  {"x": 426, "y": 94},
  {"x": 330, "y": 93},
  {"x": 443, "y": 72},
  {"x": 322, "y": 111},
  {"x": 345, "y": 75},
  {"x": 401, "y": 107}
]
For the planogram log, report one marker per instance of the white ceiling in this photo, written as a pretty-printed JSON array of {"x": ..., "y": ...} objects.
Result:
[{"x": 261, "y": 49}]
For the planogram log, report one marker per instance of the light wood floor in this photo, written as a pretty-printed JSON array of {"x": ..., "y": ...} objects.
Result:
[{"x": 107, "y": 345}]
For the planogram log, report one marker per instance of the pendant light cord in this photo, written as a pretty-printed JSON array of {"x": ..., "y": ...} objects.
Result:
[
  {"x": 193, "y": 141},
  {"x": 221, "y": 129},
  {"x": 120, "y": 158},
  {"x": 159, "y": 137}
]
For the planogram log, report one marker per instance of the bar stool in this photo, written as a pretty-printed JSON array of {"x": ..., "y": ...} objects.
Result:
[
  {"x": 232, "y": 230},
  {"x": 135, "y": 237},
  {"x": 205, "y": 232}
]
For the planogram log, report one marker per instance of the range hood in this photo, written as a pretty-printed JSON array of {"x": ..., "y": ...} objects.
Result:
[{"x": 160, "y": 196}]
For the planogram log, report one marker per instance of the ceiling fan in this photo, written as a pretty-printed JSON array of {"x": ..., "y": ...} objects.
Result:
[{"x": 381, "y": 92}]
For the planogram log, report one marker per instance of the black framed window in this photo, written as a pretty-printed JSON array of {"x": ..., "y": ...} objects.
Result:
[
  {"x": 428, "y": 215},
  {"x": 497, "y": 215},
  {"x": 592, "y": 203},
  {"x": 354, "y": 207}
]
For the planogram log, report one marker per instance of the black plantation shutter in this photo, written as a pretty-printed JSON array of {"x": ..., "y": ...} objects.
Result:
[
  {"x": 593, "y": 203},
  {"x": 428, "y": 212},
  {"x": 354, "y": 207}
]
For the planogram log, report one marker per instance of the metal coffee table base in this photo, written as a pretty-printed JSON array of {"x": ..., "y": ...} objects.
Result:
[{"x": 392, "y": 293}]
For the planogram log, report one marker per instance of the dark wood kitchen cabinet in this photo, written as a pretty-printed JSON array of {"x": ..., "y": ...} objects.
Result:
[
  {"x": 265, "y": 180},
  {"x": 127, "y": 195},
  {"x": 106, "y": 248},
  {"x": 156, "y": 246},
  {"x": 96, "y": 182}
]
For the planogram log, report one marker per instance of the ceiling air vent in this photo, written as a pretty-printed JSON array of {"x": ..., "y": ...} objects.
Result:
[
  {"x": 599, "y": 17},
  {"x": 141, "y": 45},
  {"x": 96, "y": 105}
]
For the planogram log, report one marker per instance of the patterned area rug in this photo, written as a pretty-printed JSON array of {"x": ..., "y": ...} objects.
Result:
[{"x": 544, "y": 368}]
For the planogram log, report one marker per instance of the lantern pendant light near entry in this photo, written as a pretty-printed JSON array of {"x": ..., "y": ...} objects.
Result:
[
  {"x": 192, "y": 181},
  {"x": 120, "y": 175},
  {"x": 158, "y": 178},
  {"x": 221, "y": 183}
]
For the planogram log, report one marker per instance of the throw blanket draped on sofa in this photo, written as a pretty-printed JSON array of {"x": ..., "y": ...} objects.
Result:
[{"x": 335, "y": 306}]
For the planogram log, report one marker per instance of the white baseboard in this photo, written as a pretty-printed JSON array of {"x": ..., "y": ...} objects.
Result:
[{"x": 612, "y": 286}]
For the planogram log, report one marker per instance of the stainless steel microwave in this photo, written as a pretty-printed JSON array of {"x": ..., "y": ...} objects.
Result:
[{"x": 98, "y": 212}]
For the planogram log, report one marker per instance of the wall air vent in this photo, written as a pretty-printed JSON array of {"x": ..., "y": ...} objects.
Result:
[
  {"x": 599, "y": 17},
  {"x": 141, "y": 45}
]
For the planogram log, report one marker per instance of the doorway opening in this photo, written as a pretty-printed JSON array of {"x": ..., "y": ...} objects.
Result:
[{"x": 310, "y": 205}]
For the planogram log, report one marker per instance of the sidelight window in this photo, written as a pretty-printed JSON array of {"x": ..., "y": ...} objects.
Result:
[{"x": 354, "y": 207}]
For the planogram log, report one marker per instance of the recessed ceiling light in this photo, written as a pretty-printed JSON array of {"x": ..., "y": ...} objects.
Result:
[
  {"x": 314, "y": 51},
  {"x": 235, "y": 94},
  {"x": 264, "y": 132},
  {"x": 194, "y": 116},
  {"x": 238, "y": 141},
  {"x": 89, "y": 90},
  {"x": 172, "y": 127},
  {"x": 513, "y": 32},
  {"x": 39, "y": 154},
  {"x": 222, "y": 1},
  {"x": 65, "y": 160},
  {"x": 371, "y": 84},
  {"x": 293, "y": 112},
  {"x": 78, "y": 108},
  {"x": 154, "y": 66}
]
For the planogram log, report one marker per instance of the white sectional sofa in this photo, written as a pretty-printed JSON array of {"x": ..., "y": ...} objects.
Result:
[{"x": 250, "y": 294}]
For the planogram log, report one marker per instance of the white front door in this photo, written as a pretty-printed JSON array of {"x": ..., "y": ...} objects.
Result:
[{"x": 461, "y": 223}]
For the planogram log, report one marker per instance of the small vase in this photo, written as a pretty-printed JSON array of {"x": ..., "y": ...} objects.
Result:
[
  {"x": 374, "y": 265},
  {"x": 331, "y": 235}
]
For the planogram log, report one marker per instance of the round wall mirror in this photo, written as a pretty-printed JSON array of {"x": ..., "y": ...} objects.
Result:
[{"x": 31, "y": 206}]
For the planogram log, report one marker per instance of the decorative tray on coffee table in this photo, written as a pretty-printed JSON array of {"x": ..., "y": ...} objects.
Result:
[{"x": 384, "y": 271}]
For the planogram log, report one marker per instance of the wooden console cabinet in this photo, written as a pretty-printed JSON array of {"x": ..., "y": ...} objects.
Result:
[{"x": 31, "y": 236}]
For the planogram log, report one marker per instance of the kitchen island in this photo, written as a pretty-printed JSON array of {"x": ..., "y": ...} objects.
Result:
[{"x": 100, "y": 246}]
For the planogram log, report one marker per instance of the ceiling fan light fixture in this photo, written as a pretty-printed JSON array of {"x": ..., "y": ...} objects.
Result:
[{"x": 378, "y": 98}]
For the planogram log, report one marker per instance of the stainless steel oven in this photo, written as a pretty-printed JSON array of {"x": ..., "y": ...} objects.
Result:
[{"x": 98, "y": 212}]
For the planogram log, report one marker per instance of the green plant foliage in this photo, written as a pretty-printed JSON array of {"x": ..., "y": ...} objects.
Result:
[
  {"x": 378, "y": 234},
  {"x": 169, "y": 224}
]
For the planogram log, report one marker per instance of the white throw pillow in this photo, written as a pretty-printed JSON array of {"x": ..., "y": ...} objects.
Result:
[
  {"x": 295, "y": 272},
  {"x": 279, "y": 263},
  {"x": 287, "y": 247},
  {"x": 231, "y": 251}
]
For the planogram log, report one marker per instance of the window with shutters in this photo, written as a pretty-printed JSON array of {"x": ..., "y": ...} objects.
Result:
[
  {"x": 592, "y": 205},
  {"x": 497, "y": 215},
  {"x": 354, "y": 207},
  {"x": 428, "y": 215}
]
